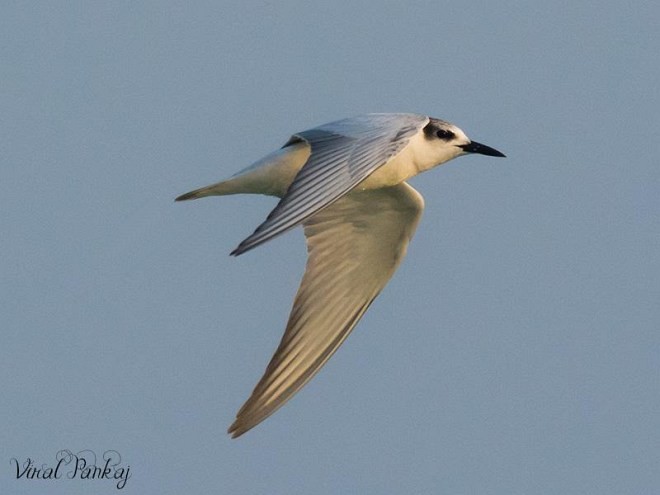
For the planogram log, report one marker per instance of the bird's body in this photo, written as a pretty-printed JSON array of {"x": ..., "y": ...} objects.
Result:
[{"x": 345, "y": 183}]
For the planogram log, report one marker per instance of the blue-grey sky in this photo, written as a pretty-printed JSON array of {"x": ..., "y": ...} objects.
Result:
[{"x": 516, "y": 350}]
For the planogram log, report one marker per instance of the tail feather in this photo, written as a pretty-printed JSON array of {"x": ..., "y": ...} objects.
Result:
[
  {"x": 272, "y": 175},
  {"x": 219, "y": 189},
  {"x": 188, "y": 195}
]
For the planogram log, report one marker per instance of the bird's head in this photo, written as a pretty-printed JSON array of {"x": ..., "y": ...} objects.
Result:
[{"x": 449, "y": 141}]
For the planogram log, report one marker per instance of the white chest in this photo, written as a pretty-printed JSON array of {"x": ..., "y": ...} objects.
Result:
[{"x": 421, "y": 154}]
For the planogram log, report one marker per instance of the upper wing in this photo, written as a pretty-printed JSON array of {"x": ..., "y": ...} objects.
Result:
[
  {"x": 343, "y": 154},
  {"x": 354, "y": 247}
]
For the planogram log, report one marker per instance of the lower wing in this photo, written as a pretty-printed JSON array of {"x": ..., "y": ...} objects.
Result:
[{"x": 354, "y": 246}]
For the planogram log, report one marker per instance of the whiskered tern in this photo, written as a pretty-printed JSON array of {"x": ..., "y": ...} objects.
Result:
[{"x": 345, "y": 183}]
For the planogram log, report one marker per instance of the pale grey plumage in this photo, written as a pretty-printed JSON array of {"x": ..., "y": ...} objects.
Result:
[
  {"x": 345, "y": 182},
  {"x": 343, "y": 153}
]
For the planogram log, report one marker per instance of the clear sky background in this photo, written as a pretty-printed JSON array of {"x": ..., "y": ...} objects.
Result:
[{"x": 516, "y": 350}]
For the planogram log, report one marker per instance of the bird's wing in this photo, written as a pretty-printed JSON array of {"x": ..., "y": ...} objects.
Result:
[
  {"x": 343, "y": 154},
  {"x": 354, "y": 247}
]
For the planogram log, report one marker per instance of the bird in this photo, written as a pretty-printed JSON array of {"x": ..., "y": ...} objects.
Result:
[{"x": 345, "y": 183}]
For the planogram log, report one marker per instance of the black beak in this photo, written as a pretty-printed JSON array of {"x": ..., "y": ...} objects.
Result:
[{"x": 482, "y": 149}]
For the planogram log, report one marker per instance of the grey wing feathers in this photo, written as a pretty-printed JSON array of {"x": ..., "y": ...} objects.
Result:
[
  {"x": 343, "y": 154},
  {"x": 354, "y": 247}
]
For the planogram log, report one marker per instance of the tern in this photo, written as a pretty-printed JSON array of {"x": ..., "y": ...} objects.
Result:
[{"x": 345, "y": 183}]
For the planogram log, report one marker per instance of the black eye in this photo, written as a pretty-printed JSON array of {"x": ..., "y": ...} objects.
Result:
[{"x": 445, "y": 135}]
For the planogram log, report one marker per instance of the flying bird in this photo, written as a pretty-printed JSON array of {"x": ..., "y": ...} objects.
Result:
[{"x": 345, "y": 183}]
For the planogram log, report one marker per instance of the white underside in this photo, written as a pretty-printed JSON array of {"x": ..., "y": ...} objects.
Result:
[{"x": 274, "y": 173}]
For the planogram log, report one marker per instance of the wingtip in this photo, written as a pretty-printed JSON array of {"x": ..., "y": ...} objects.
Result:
[
  {"x": 243, "y": 247},
  {"x": 235, "y": 431}
]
